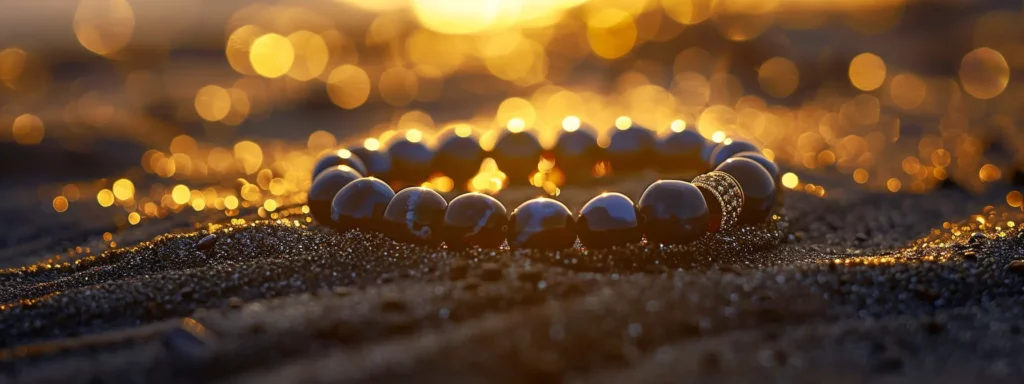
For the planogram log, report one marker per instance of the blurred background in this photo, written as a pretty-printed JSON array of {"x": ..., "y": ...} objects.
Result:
[{"x": 121, "y": 113}]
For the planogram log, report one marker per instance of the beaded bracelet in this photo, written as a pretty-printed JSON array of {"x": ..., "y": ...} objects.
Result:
[{"x": 740, "y": 190}]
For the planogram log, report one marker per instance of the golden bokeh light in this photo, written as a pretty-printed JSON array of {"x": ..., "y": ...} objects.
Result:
[
  {"x": 907, "y": 90},
  {"x": 249, "y": 156},
  {"x": 371, "y": 144},
  {"x": 348, "y": 86},
  {"x": 414, "y": 135},
  {"x": 28, "y": 129},
  {"x": 463, "y": 130},
  {"x": 398, "y": 86},
  {"x": 231, "y": 202},
  {"x": 902, "y": 124},
  {"x": 238, "y": 47},
  {"x": 184, "y": 144},
  {"x": 71, "y": 192},
  {"x": 516, "y": 108},
  {"x": 623, "y": 123},
  {"x": 105, "y": 197},
  {"x": 180, "y": 194},
  {"x": 611, "y": 33},
  {"x": 270, "y": 205},
  {"x": 861, "y": 176},
  {"x": 571, "y": 124},
  {"x": 718, "y": 137},
  {"x": 456, "y": 17},
  {"x": 212, "y": 103},
  {"x": 677, "y": 126},
  {"x": 134, "y": 218},
  {"x": 311, "y": 55},
  {"x": 104, "y": 26},
  {"x": 867, "y": 71},
  {"x": 989, "y": 173},
  {"x": 441, "y": 184},
  {"x": 1015, "y": 199},
  {"x": 271, "y": 55},
  {"x": 320, "y": 141},
  {"x": 516, "y": 125},
  {"x": 894, "y": 184},
  {"x": 489, "y": 179},
  {"x": 123, "y": 189},
  {"x": 60, "y": 204},
  {"x": 778, "y": 77},
  {"x": 12, "y": 64},
  {"x": 198, "y": 205},
  {"x": 984, "y": 73},
  {"x": 790, "y": 180},
  {"x": 688, "y": 11}
]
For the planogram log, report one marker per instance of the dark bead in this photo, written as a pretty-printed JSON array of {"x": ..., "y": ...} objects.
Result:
[
  {"x": 458, "y": 157},
  {"x": 339, "y": 157},
  {"x": 708, "y": 153},
  {"x": 681, "y": 151},
  {"x": 541, "y": 223},
  {"x": 517, "y": 155},
  {"x": 631, "y": 149},
  {"x": 410, "y": 161},
  {"x": 475, "y": 219},
  {"x": 768, "y": 165},
  {"x": 378, "y": 163},
  {"x": 415, "y": 215},
  {"x": 361, "y": 204},
  {"x": 726, "y": 151},
  {"x": 576, "y": 153},
  {"x": 674, "y": 212},
  {"x": 758, "y": 188},
  {"x": 325, "y": 186},
  {"x": 608, "y": 220}
]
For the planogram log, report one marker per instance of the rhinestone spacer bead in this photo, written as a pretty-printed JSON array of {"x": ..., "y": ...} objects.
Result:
[{"x": 727, "y": 191}]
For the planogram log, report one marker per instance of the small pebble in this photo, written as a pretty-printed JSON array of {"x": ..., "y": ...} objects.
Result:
[
  {"x": 189, "y": 342},
  {"x": 207, "y": 242},
  {"x": 1016, "y": 266}
]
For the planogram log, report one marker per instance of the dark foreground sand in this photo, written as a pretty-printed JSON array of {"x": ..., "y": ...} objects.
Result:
[{"x": 273, "y": 303}]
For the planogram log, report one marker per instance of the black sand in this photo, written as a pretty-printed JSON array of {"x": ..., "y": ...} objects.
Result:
[{"x": 267, "y": 302}]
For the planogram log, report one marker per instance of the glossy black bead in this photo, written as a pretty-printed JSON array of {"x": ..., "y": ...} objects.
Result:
[
  {"x": 339, "y": 157},
  {"x": 458, "y": 157},
  {"x": 727, "y": 151},
  {"x": 415, "y": 215},
  {"x": 681, "y": 152},
  {"x": 474, "y": 219},
  {"x": 378, "y": 163},
  {"x": 608, "y": 220},
  {"x": 541, "y": 223},
  {"x": 758, "y": 188},
  {"x": 576, "y": 153},
  {"x": 631, "y": 149},
  {"x": 323, "y": 189},
  {"x": 361, "y": 205},
  {"x": 768, "y": 165},
  {"x": 410, "y": 161},
  {"x": 517, "y": 155},
  {"x": 674, "y": 212}
]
